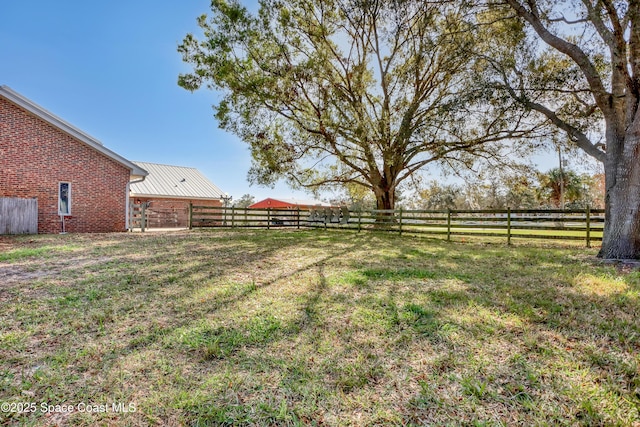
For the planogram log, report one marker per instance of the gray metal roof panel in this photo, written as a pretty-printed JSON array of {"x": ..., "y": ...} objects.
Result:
[{"x": 174, "y": 181}]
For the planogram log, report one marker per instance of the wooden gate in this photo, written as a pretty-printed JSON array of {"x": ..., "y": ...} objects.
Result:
[
  {"x": 145, "y": 216},
  {"x": 18, "y": 216},
  {"x": 137, "y": 216}
]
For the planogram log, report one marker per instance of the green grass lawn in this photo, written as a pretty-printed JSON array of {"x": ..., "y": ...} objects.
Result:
[{"x": 314, "y": 328}]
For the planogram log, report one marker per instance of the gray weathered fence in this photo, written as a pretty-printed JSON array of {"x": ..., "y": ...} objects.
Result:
[
  {"x": 585, "y": 225},
  {"x": 18, "y": 216}
]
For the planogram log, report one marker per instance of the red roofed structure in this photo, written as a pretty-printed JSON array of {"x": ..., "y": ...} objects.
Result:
[{"x": 288, "y": 204}]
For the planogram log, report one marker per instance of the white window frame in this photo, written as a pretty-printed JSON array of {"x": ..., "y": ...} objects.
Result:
[{"x": 68, "y": 213}]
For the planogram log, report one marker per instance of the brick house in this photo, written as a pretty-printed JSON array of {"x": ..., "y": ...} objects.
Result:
[
  {"x": 77, "y": 181},
  {"x": 168, "y": 190}
]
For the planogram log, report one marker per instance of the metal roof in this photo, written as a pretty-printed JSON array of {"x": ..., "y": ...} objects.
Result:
[
  {"x": 9, "y": 94},
  {"x": 174, "y": 181}
]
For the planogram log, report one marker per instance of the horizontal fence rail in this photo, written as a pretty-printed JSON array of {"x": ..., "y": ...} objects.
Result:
[{"x": 586, "y": 225}]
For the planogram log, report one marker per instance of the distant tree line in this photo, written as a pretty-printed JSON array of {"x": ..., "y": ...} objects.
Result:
[
  {"x": 552, "y": 189},
  {"x": 534, "y": 190}
]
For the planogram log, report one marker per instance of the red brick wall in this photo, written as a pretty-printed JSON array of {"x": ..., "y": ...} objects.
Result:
[
  {"x": 165, "y": 213},
  {"x": 35, "y": 156}
]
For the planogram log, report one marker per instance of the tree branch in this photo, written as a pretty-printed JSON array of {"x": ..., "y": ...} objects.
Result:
[{"x": 601, "y": 95}]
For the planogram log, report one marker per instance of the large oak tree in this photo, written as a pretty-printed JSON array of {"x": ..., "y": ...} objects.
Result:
[
  {"x": 588, "y": 75},
  {"x": 363, "y": 92}
]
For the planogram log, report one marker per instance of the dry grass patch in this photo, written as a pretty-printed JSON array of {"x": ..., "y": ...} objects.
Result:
[{"x": 315, "y": 328}]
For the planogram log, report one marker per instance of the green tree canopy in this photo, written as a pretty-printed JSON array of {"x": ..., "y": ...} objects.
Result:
[
  {"x": 363, "y": 92},
  {"x": 245, "y": 201},
  {"x": 562, "y": 188}
]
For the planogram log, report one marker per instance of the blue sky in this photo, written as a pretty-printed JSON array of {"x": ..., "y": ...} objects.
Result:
[{"x": 110, "y": 69}]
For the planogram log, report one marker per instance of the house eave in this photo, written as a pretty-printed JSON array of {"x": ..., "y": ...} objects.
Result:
[
  {"x": 76, "y": 133},
  {"x": 164, "y": 196}
]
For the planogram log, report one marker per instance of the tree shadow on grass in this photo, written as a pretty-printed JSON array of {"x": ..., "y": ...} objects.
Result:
[
  {"x": 446, "y": 306},
  {"x": 398, "y": 333},
  {"x": 539, "y": 314},
  {"x": 115, "y": 309},
  {"x": 513, "y": 341}
]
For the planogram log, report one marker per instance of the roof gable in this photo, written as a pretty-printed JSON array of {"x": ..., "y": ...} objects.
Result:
[
  {"x": 175, "y": 182},
  {"x": 67, "y": 128}
]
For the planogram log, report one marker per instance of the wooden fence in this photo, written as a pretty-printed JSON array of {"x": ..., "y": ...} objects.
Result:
[
  {"x": 586, "y": 225},
  {"x": 138, "y": 216},
  {"x": 18, "y": 216},
  {"x": 143, "y": 216}
]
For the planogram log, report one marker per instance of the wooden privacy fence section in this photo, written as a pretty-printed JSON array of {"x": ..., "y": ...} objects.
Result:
[
  {"x": 586, "y": 225},
  {"x": 138, "y": 216},
  {"x": 143, "y": 216},
  {"x": 18, "y": 216}
]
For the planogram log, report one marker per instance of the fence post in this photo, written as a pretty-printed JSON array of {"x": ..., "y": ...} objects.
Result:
[
  {"x": 359, "y": 219},
  {"x": 143, "y": 216},
  {"x": 448, "y": 224},
  {"x": 400, "y": 221},
  {"x": 130, "y": 215},
  {"x": 508, "y": 226},
  {"x": 233, "y": 216},
  {"x": 588, "y": 226},
  {"x": 268, "y": 218},
  {"x": 298, "y": 216}
]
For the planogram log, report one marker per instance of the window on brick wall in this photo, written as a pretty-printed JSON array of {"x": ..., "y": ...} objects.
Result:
[{"x": 64, "y": 198}]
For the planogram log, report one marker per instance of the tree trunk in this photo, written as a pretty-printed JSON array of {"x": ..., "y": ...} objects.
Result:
[
  {"x": 385, "y": 198},
  {"x": 621, "y": 238}
]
